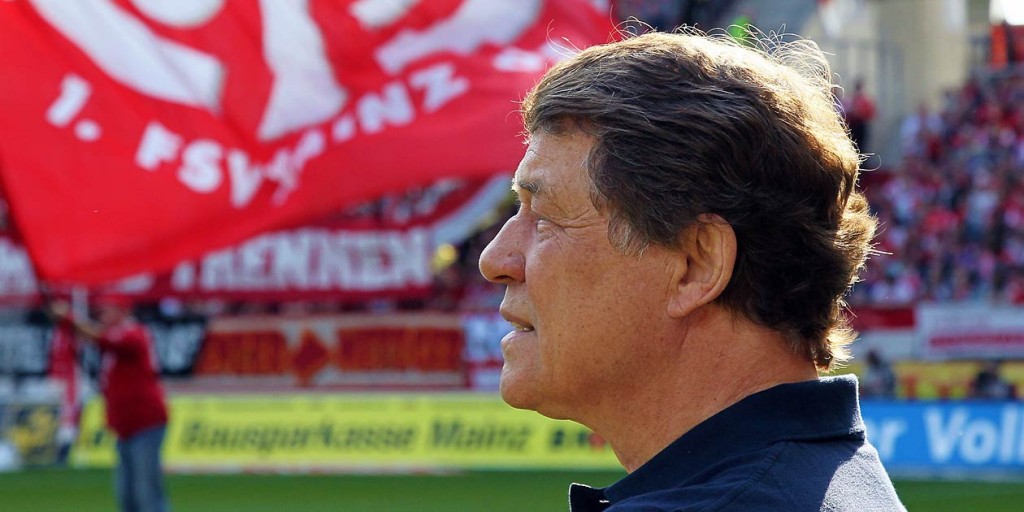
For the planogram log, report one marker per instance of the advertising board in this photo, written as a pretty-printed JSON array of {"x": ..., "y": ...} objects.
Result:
[
  {"x": 359, "y": 432},
  {"x": 423, "y": 350},
  {"x": 947, "y": 438},
  {"x": 970, "y": 331},
  {"x": 405, "y": 432}
]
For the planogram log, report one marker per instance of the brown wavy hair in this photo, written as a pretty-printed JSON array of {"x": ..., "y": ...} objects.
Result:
[{"x": 687, "y": 124}]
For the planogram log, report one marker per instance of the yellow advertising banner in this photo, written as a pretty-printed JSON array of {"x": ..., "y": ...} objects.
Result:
[
  {"x": 356, "y": 432},
  {"x": 32, "y": 429}
]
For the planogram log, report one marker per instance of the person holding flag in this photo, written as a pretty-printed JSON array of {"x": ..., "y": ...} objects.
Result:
[{"x": 136, "y": 409}]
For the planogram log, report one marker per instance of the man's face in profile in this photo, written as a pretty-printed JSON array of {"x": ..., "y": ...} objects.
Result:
[{"x": 581, "y": 310}]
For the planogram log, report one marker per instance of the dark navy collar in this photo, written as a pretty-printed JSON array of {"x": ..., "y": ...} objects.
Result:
[
  {"x": 584, "y": 498},
  {"x": 826, "y": 408}
]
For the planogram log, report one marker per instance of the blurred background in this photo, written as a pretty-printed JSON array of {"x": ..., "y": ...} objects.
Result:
[{"x": 349, "y": 359}]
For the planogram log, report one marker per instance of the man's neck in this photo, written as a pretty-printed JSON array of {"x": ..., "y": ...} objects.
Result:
[{"x": 730, "y": 360}]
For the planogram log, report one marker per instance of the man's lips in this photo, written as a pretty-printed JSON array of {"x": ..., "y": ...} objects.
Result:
[
  {"x": 518, "y": 323},
  {"x": 522, "y": 328}
]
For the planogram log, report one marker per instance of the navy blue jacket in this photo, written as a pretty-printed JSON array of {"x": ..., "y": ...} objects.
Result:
[{"x": 793, "y": 448}]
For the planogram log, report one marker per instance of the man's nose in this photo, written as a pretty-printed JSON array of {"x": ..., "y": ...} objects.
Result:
[{"x": 502, "y": 261}]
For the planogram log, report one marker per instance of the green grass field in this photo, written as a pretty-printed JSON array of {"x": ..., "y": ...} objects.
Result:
[{"x": 90, "y": 491}]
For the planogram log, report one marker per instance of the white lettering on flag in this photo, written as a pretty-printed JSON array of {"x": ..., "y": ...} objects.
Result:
[
  {"x": 475, "y": 23},
  {"x": 439, "y": 84},
  {"x": 304, "y": 90},
  {"x": 129, "y": 52}
]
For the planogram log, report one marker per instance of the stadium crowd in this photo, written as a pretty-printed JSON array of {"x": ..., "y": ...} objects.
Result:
[{"x": 952, "y": 213}]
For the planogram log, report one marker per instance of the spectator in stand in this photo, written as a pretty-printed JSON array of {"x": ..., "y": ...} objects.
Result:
[
  {"x": 989, "y": 383},
  {"x": 652, "y": 14},
  {"x": 879, "y": 380},
  {"x": 134, "y": 400},
  {"x": 920, "y": 134},
  {"x": 859, "y": 110},
  {"x": 742, "y": 29},
  {"x": 449, "y": 287}
]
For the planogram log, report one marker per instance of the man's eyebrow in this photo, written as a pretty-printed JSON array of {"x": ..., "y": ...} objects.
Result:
[{"x": 531, "y": 186}]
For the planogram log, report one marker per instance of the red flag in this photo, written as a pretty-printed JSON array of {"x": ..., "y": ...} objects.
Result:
[{"x": 136, "y": 134}]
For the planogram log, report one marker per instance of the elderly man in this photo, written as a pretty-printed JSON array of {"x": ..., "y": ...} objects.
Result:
[{"x": 689, "y": 224}]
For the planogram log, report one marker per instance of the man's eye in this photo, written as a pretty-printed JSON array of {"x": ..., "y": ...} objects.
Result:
[{"x": 543, "y": 221}]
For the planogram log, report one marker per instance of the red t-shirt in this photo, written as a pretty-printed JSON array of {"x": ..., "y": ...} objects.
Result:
[{"x": 129, "y": 380}]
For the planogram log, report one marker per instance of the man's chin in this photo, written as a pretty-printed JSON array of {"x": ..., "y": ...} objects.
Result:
[
  {"x": 514, "y": 398},
  {"x": 529, "y": 400}
]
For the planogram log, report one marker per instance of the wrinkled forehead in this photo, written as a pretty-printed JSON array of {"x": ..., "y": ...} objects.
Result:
[{"x": 554, "y": 166}]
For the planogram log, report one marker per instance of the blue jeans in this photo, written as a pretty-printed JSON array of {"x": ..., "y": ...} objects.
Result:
[{"x": 139, "y": 481}]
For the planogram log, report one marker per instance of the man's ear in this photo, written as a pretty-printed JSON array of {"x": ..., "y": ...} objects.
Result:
[{"x": 707, "y": 255}]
